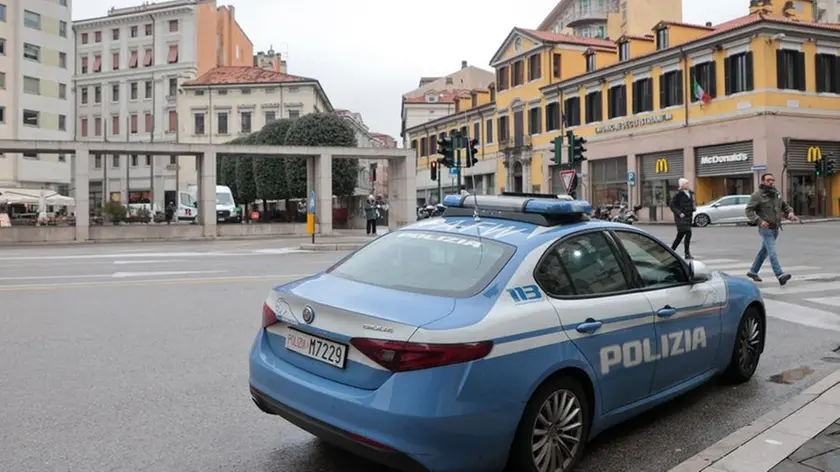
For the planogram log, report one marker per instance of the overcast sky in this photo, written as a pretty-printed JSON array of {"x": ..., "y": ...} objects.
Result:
[{"x": 367, "y": 53}]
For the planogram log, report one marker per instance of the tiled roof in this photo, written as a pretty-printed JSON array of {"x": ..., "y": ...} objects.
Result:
[
  {"x": 444, "y": 96},
  {"x": 244, "y": 75},
  {"x": 568, "y": 39},
  {"x": 686, "y": 25},
  {"x": 648, "y": 37}
]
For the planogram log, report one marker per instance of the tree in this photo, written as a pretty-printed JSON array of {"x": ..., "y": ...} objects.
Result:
[
  {"x": 270, "y": 172},
  {"x": 246, "y": 186},
  {"x": 227, "y": 169},
  {"x": 323, "y": 129}
]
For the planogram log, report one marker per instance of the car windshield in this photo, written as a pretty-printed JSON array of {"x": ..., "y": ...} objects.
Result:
[
  {"x": 427, "y": 262},
  {"x": 224, "y": 199}
]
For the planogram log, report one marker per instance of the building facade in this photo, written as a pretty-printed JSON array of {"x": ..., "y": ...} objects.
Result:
[
  {"x": 36, "y": 89},
  {"x": 130, "y": 65},
  {"x": 717, "y": 105},
  {"x": 609, "y": 18}
]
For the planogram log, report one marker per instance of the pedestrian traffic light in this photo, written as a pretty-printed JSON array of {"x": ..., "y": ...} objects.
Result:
[
  {"x": 433, "y": 169},
  {"x": 830, "y": 167},
  {"x": 557, "y": 150},
  {"x": 472, "y": 152},
  {"x": 818, "y": 168}
]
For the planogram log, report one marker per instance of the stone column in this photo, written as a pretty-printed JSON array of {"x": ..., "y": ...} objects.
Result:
[
  {"x": 402, "y": 191},
  {"x": 81, "y": 192},
  {"x": 319, "y": 179},
  {"x": 159, "y": 182},
  {"x": 206, "y": 169}
]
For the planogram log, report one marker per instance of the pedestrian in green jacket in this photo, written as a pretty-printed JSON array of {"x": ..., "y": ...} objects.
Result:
[
  {"x": 765, "y": 209},
  {"x": 370, "y": 215}
]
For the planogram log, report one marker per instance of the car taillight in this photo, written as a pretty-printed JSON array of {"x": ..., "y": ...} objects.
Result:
[
  {"x": 399, "y": 356},
  {"x": 269, "y": 317}
]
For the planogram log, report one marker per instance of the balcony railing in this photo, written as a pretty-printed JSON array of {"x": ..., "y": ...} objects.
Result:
[{"x": 515, "y": 143}]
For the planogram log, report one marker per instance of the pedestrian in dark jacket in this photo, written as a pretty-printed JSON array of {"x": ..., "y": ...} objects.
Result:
[
  {"x": 370, "y": 216},
  {"x": 682, "y": 205},
  {"x": 765, "y": 209}
]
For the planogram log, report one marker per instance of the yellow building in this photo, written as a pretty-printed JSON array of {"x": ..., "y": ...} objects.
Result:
[
  {"x": 718, "y": 105},
  {"x": 609, "y": 18}
]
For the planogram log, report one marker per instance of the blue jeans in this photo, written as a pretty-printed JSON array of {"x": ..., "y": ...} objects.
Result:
[{"x": 768, "y": 248}]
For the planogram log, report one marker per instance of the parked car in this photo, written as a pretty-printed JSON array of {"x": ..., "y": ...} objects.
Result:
[{"x": 729, "y": 209}]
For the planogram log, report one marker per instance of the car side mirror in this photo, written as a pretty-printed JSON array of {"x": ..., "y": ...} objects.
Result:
[
  {"x": 698, "y": 272},
  {"x": 715, "y": 205}
]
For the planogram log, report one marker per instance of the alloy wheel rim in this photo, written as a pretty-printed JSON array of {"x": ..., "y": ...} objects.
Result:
[
  {"x": 749, "y": 340},
  {"x": 702, "y": 220},
  {"x": 557, "y": 431}
]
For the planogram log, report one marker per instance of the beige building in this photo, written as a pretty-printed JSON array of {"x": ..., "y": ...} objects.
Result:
[
  {"x": 36, "y": 89},
  {"x": 610, "y": 18}
]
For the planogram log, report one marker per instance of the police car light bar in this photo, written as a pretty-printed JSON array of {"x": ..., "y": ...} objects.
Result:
[{"x": 542, "y": 206}]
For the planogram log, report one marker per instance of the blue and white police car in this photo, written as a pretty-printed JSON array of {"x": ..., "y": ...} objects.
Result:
[{"x": 507, "y": 332}]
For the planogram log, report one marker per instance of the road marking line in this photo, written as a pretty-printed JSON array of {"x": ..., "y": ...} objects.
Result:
[
  {"x": 810, "y": 288},
  {"x": 168, "y": 261},
  {"x": 122, "y": 275},
  {"x": 116, "y": 275},
  {"x": 716, "y": 261},
  {"x": 132, "y": 283},
  {"x": 802, "y": 315},
  {"x": 827, "y": 301},
  {"x": 765, "y": 270}
]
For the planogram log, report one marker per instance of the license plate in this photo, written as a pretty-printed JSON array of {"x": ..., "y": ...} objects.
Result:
[
  {"x": 221, "y": 220},
  {"x": 316, "y": 347}
]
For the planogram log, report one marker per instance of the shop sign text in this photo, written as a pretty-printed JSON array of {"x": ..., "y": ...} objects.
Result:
[
  {"x": 650, "y": 120},
  {"x": 737, "y": 157}
]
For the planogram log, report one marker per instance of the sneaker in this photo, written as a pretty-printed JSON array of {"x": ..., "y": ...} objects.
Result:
[
  {"x": 754, "y": 277},
  {"x": 688, "y": 257},
  {"x": 783, "y": 279}
]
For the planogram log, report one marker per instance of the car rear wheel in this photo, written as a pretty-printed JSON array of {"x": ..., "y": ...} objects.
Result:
[
  {"x": 702, "y": 220},
  {"x": 553, "y": 430},
  {"x": 748, "y": 346}
]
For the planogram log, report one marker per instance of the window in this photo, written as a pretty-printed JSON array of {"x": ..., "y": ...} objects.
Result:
[
  {"x": 133, "y": 122},
  {"x": 31, "y": 118},
  {"x": 84, "y": 38},
  {"x": 642, "y": 95},
  {"x": 222, "y": 123},
  {"x": 790, "y": 70},
  {"x": 62, "y": 122},
  {"x": 97, "y": 37},
  {"x": 115, "y": 92},
  {"x": 270, "y": 116},
  {"x": 582, "y": 265},
  {"x": 594, "y": 107},
  {"x": 173, "y": 26},
  {"x": 246, "y": 91},
  {"x": 624, "y": 51},
  {"x": 62, "y": 91},
  {"x": 173, "y": 161},
  {"x": 294, "y": 114},
  {"x": 115, "y": 61},
  {"x": 617, "y": 101},
  {"x": 173, "y": 54},
  {"x": 31, "y": 19},
  {"x": 173, "y": 86},
  {"x": 534, "y": 67},
  {"x": 477, "y": 131},
  {"x": 657, "y": 266},
  {"x": 115, "y": 161},
  {"x": 552, "y": 116},
  {"x": 738, "y": 73},
  {"x": 2, "y": 117},
  {"x": 97, "y": 161},
  {"x": 115, "y": 124},
  {"x": 828, "y": 73},
  {"x": 148, "y": 29},
  {"x": 418, "y": 261},
  {"x": 2, "y": 12},
  {"x": 31, "y": 85},
  {"x": 133, "y": 31},
  {"x": 97, "y": 126},
  {"x": 31, "y": 155},
  {"x": 97, "y": 63},
  {"x": 2, "y": 47},
  {"x": 504, "y": 132},
  {"x": 148, "y": 59},
  {"x": 488, "y": 131},
  {"x": 502, "y": 78},
  {"x": 134, "y": 161},
  {"x": 115, "y": 34},
  {"x": 62, "y": 29},
  {"x": 198, "y": 124},
  {"x": 148, "y": 159},
  {"x": 97, "y": 94},
  {"x": 148, "y": 123},
  {"x": 173, "y": 121},
  {"x": 423, "y": 146},
  {"x": 706, "y": 75},
  {"x": 84, "y": 95},
  {"x": 132, "y": 60},
  {"x": 148, "y": 89},
  {"x": 571, "y": 113},
  {"x": 671, "y": 89},
  {"x": 245, "y": 119},
  {"x": 590, "y": 63},
  {"x": 62, "y": 60},
  {"x": 557, "y": 65},
  {"x": 518, "y": 73},
  {"x": 662, "y": 40},
  {"x": 83, "y": 124},
  {"x": 535, "y": 120},
  {"x": 31, "y": 52},
  {"x": 2, "y": 80},
  {"x": 133, "y": 91}
]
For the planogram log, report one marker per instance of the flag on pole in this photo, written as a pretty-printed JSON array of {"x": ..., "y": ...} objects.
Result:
[{"x": 701, "y": 94}]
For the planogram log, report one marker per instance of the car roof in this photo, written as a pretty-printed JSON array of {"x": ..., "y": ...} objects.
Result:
[{"x": 517, "y": 233}]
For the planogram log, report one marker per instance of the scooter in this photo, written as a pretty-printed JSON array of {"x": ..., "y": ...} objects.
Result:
[
  {"x": 430, "y": 211},
  {"x": 626, "y": 216}
]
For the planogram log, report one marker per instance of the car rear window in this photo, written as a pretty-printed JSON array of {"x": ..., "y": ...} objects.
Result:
[{"x": 427, "y": 262}]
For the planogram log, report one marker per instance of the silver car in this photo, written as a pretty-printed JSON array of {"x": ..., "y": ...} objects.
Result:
[{"x": 729, "y": 209}]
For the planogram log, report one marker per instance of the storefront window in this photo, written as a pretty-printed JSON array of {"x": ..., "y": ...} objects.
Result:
[
  {"x": 608, "y": 181},
  {"x": 658, "y": 192}
]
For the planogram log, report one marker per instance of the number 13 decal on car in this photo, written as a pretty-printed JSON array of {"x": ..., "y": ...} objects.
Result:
[{"x": 525, "y": 294}]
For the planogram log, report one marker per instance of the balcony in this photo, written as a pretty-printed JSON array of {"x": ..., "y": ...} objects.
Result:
[
  {"x": 584, "y": 12},
  {"x": 515, "y": 143}
]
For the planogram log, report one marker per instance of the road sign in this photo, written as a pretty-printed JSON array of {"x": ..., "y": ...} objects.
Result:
[
  {"x": 631, "y": 178},
  {"x": 568, "y": 178},
  {"x": 760, "y": 168},
  {"x": 453, "y": 171}
]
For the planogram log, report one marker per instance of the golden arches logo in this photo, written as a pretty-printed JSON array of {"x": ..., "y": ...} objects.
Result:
[
  {"x": 814, "y": 154},
  {"x": 662, "y": 166}
]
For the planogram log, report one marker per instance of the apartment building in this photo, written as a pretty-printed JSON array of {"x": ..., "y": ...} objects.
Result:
[
  {"x": 36, "y": 89},
  {"x": 130, "y": 65},
  {"x": 609, "y": 18},
  {"x": 373, "y": 175},
  {"x": 718, "y": 105}
]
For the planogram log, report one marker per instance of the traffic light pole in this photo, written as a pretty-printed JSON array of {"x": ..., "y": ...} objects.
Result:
[
  {"x": 458, "y": 166},
  {"x": 440, "y": 188}
]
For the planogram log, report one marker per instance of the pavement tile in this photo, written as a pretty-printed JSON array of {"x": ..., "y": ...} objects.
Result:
[
  {"x": 762, "y": 453},
  {"x": 823, "y": 385},
  {"x": 830, "y": 397},
  {"x": 815, "y": 447},
  {"x": 790, "y": 466},
  {"x": 810, "y": 421},
  {"x": 828, "y": 462}
]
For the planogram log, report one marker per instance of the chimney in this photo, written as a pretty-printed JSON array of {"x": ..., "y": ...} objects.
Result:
[
  {"x": 709, "y": 24},
  {"x": 463, "y": 64}
]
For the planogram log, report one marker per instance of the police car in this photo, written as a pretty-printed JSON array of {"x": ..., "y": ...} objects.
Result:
[{"x": 508, "y": 332}]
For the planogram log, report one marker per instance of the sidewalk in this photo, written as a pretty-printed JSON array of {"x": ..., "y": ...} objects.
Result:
[
  {"x": 805, "y": 221},
  {"x": 802, "y": 435}
]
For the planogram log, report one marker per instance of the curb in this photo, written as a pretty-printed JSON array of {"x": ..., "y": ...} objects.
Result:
[
  {"x": 706, "y": 459},
  {"x": 325, "y": 247},
  {"x": 730, "y": 225}
]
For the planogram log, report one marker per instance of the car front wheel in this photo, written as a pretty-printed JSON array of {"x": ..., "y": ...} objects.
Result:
[
  {"x": 702, "y": 220},
  {"x": 553, "y": 430},
  {"x": 748, "y": 346}
]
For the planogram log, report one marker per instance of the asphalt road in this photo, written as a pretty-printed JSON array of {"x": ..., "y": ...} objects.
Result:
[{"x": 134, "y": 357}]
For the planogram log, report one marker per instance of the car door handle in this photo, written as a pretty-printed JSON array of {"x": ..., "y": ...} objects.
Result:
[
  {"x": 589, "y": 326},
  {"x": 666, "y": 311}
]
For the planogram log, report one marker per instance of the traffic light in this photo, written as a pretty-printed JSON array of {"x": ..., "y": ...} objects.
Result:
[
  {"x": 433, "y": 169},
  {"x": 444, "y": 146},
  {"x": 578, "y": 149},
  {"x": 472, "y": 152},
  {"x": 818, "y": 168},
  {"x": 830, "y": 169},
  {"x": 557, "y": 150}
]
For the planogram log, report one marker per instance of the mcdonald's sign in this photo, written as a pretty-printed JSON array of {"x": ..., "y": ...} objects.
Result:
[
  {"x": 814, "y": 154},
  {"x": 662, "y": 166}
]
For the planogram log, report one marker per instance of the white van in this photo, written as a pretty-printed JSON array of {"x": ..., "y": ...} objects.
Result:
[{"x": 226, "y": 210}]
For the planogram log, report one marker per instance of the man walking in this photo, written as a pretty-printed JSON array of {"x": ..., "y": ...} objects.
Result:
[
  {"x": 765, "y": 209},
  {"x": 682, "y": 204},
  {"x": 370, "y": 215}
]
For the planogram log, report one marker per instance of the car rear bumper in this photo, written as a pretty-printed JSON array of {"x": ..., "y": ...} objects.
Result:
[{"x": 425, "y": 420}]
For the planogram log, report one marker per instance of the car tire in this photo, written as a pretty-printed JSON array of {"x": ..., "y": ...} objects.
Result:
[
  {"x": 749, "y": 344},
  {"x": 702, "y": 220},
  {"x": 554, "y": 395}
]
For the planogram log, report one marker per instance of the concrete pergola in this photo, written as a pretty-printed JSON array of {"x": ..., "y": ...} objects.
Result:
[{"x": 401, "y": 176}]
